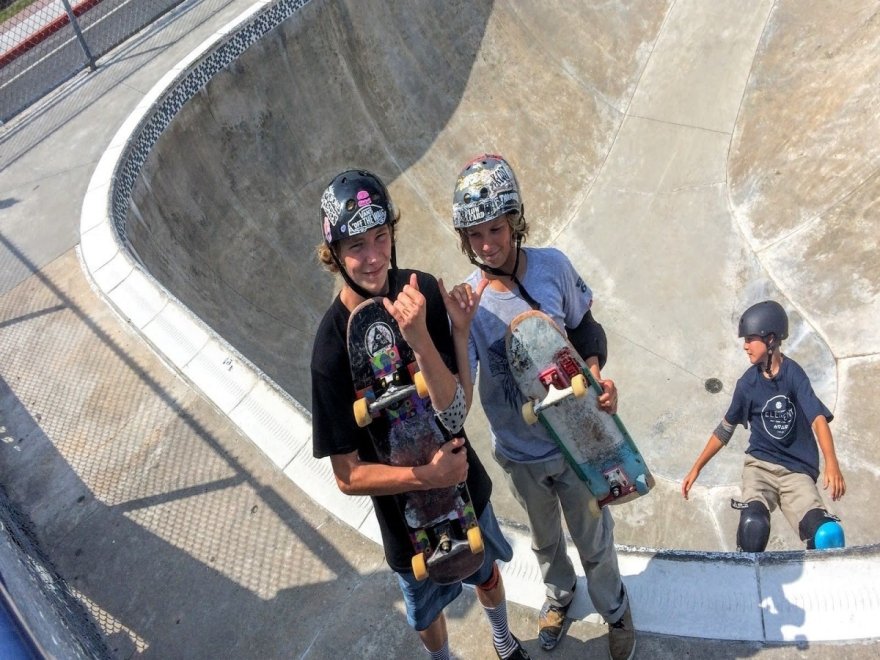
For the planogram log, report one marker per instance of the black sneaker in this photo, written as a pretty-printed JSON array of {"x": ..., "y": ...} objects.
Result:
[{"x": 519, "y": 653}]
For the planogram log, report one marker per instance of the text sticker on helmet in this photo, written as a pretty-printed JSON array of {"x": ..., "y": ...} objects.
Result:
[
  {"x": 367, "y": 216},
  {"x": 328, "y": 205}
]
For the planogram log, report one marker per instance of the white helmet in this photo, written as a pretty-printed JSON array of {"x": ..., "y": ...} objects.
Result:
[{"x": 486, "y": 189}]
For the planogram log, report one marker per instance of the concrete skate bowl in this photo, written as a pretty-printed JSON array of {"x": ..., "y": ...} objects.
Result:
[{"x": 689, "y": 159}]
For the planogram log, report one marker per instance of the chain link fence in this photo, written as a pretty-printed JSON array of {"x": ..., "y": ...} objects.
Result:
[{"x": 43, "y": 43}]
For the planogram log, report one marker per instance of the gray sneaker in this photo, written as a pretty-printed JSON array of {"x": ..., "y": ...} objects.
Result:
[
  {"x": 622, "y": 637},
  {"x": 552, "y": 625}
]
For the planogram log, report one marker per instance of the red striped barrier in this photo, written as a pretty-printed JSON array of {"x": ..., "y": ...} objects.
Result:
[{"x": 45, "y": 32}]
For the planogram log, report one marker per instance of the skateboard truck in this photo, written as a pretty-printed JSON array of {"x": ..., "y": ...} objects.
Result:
[
  {"x": 367, "y": 406},
  {"x": 560, "y": 385},
  {"x": 446, "y": 545}
]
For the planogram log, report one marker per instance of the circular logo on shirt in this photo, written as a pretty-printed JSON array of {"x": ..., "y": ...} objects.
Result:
[{"x": 778, "y": 416}]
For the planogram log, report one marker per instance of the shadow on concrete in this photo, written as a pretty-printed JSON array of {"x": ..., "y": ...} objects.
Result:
[{"x": 178, "y": 540}]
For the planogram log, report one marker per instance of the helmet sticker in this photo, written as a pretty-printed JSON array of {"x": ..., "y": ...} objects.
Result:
[
  {"x": 367, "y": 216},
  {"x": 500, "y": 178},
  {"x": 486, "y": 189},
  {"x": 328, "y": 205}
]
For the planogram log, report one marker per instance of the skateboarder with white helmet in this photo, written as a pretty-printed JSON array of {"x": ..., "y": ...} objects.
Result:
[
  {"x": 774, "y": 398},
  {"x": 510, "y": 279},
  {"x": 358, "y": 222}
]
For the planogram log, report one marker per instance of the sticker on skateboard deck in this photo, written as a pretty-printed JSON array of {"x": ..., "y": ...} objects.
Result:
[
  {"x": 392, "y": 399},
  {"x": 563, "y": 394}
]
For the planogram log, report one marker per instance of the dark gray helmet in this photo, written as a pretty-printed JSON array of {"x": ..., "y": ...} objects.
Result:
[
  {"x": 764, "y": 318},
  {"x": 355, "y": 201},
  {"x": 486, "y": 189}
]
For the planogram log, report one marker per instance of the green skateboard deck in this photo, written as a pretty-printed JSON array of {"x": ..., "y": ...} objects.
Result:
[{"x": 561, "y": 392}]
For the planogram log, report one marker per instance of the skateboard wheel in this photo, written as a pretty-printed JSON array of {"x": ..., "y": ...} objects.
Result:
[
  {"x": 362, "y": 412},
  {"x": 593, "y": 507},
  {"x": 421, "y": 386},
  {"x": 642, "y": 484},
  {"x": 528, "y": 413},
  {"x": 420, "y": 569},
  {"x": 579, "y": 385},
  {"x": 475, "y": 540}
]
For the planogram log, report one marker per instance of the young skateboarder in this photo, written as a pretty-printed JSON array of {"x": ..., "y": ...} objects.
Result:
[
  {"x": 358, "y": 221},
  {"x": 489, "y": 219},
  {"x": 774, "y": 398}
]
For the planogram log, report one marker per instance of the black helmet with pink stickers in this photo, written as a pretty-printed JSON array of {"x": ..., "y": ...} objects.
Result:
[{"x": 354, "y": 202}]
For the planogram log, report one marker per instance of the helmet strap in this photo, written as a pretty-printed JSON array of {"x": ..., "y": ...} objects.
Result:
[
  {"x": 392, "y": 272},
  {"x": 771, "y": 348},
  {"x": 534, "y": 304}
]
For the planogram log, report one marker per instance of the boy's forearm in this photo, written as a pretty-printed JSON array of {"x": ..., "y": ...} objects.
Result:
[
  {"x": 825, "y": 440},
  {"x": 440, "y": 381},
  {"x": 713, "y": 446},
  {"x": 376, "y": 479},
  {"x": 447, "y": 466},
  {"x": 460, "y": 343},
  {"x": 593, "y": 366}
]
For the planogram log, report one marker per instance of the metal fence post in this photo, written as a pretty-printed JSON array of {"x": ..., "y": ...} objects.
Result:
[
  {"x": 79, "y": 35},
  {"x": 37, "y": 53}
]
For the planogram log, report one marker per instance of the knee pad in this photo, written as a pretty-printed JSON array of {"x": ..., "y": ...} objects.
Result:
[
  {"x": 754, "y": 528},
  {"x": 821, "y": 530}
]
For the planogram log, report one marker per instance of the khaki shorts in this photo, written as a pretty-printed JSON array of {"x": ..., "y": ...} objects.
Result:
[{"x": 794, "y": 493}]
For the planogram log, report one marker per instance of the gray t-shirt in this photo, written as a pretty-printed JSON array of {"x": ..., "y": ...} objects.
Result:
[{"x": 554, "y": 283}]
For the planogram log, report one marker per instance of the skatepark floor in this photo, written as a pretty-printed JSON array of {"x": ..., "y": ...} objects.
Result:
[{"x": 176, "y": 533}]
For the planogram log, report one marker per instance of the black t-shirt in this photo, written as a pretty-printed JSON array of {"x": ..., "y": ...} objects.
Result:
[
  {"x": 780, "y": 412},
  {"x": 334, "y": 430}
]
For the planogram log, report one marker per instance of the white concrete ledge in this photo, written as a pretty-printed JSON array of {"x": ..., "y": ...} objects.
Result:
[{"x": 773, "y": 597}]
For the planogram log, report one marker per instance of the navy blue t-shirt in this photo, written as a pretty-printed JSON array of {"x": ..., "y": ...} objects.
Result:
[{"x": 780, "y": 412}]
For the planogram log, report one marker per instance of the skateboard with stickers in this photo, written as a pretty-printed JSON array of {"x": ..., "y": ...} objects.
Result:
[
  {"x": 561, "y": 392},
  {"x": 392, "y": 399}
]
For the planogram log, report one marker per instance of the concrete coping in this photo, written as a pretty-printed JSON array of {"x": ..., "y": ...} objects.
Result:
[{"x": 765, "y": 597}]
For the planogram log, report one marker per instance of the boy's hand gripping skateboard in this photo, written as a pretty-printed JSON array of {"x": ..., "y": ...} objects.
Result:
[
  {"x": 392, "y": 396},
  {"x": 563, "y": 394}
]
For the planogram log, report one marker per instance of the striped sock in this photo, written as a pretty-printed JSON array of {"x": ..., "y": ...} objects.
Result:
[
  {"x": 504, "y": 642},
  {"x": 442, "y": 653}
]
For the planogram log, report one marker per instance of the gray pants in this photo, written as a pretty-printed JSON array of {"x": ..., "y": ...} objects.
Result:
[{"x": 545, "y": 488}]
